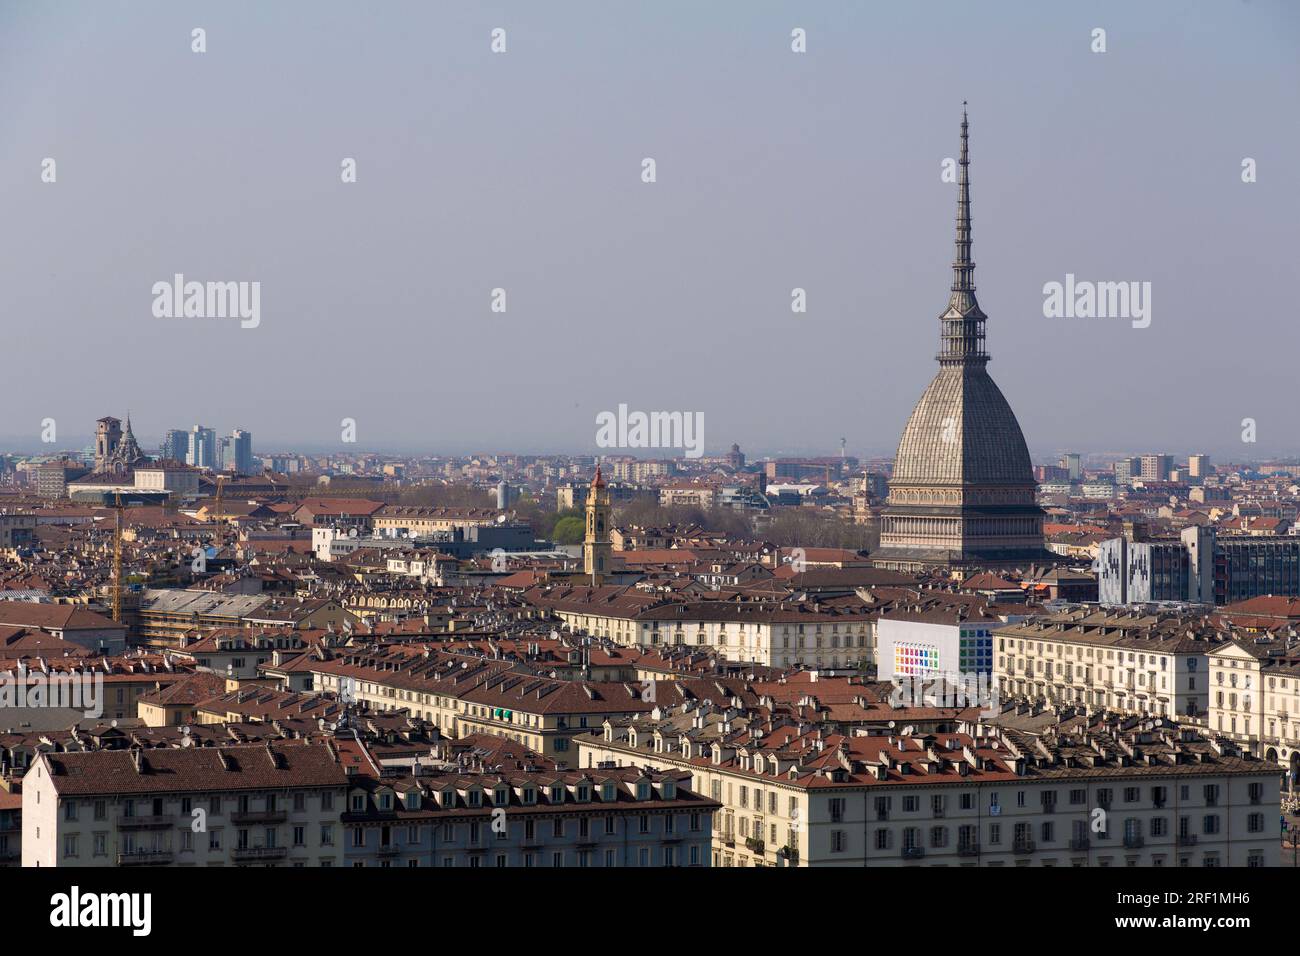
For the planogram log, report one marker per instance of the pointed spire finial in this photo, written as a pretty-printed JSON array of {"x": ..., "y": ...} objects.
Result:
[
  {"x": 963, "y": 328},
  {"x": 963, "y": 267}
]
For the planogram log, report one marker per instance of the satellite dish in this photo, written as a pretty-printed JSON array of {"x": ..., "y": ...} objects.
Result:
[
  {"x": 352, "y": 532},
  {"x": 501, "y": 519}
]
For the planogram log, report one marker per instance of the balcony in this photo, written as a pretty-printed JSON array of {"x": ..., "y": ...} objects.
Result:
[
  {"x": 913, "y": 852},
  {"x": 260, "y": 816},
  {"x": 1023, "y": 846},
  {"x": 145, "y": 858},
  {"x": 1134, "y": 842},
  {"x": 389, "y": 849},
  {"x": 258, "y": 853},
  {"x": 755, "y": 846},
  {"x": 1186, "y": 839},
  {"x": 1080, "y": 843},
  {"x": 152, "y": 822},
  {"x": 968, "y": 849},
  {"x": 790, "y": 853}
]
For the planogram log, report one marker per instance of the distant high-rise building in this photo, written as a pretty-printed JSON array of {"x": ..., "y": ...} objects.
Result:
[
  {"x": 1072, "y": 462},
  {"x": 1198, "y": 466},
  {"x": 241, "y": 445},
  {"x": 1156, "y": 467},
  {"x": 202, "y": 449},
  {"x": 176, "y": 444},
  {"x": 1126, "y": 469}
]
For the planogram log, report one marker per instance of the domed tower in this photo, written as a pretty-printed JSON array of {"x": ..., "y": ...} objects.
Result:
[{"x": 962, "y": 492}]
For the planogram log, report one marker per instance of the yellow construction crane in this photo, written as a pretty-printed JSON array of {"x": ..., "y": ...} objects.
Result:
[{"x": 216, "y": 514}]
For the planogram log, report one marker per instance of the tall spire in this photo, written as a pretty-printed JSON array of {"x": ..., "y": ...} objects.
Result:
[
  {"x": 963, "y": 321},
  {"x": 963, "y": 269}
]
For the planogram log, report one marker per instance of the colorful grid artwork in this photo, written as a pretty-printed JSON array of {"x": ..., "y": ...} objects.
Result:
[{"x": 915, "y": 659}]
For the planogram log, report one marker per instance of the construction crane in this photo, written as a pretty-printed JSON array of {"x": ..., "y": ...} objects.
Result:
[
  {"x": 216, "y": 514},
  {"x": 117, "y": 557}
]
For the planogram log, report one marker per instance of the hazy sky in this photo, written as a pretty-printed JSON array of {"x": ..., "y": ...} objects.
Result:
[{"x": 522, "y": 170}]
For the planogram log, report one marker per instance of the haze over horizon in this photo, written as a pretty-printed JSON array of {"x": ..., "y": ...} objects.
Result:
[{"x": 522, "y": 171}]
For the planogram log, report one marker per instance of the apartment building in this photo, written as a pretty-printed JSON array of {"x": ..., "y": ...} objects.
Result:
[
  {"x": 463, "y": 695},
  {"x": 68, "y": 622},
  {"x": 1255, "y": 697},
  {"x": 527, "y": 818},
  {"x": 1074, "y": 792},
  {"x": 416, "y": 522},
  {"x": 169, "y": 617},
  {"x": 274, "y": 804},
  {"x": 774, "y": 634},
  {"x": 1130, "y": 662}
]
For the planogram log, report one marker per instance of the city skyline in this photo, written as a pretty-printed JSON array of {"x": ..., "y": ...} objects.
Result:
[{"x": 783, "y": 172}]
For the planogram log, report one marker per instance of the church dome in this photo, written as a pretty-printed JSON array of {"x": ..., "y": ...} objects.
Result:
[{"x": 962, "y": 431}]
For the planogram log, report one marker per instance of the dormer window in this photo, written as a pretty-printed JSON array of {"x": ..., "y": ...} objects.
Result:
[
  {"x": 643, "y": 791},
  {"x": 557, "y": 793},
  {"x": 530, "y": 795},
  {"x": 584, "y": 793},
  {"x": 413, "y": 800},
  {"x": 501, "y": 796},
  {"x": 669, "y": 789},
  {"x": 474, "y": 798},
  {"x": 385, "y": 801},
  {"x": 607, "y": 792}
]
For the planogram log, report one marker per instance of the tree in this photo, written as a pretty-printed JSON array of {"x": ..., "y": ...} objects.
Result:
[{"x": 569, "y": 530}]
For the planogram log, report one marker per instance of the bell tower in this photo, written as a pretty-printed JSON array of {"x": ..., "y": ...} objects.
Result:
[{"x": 595, "y": 545}]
